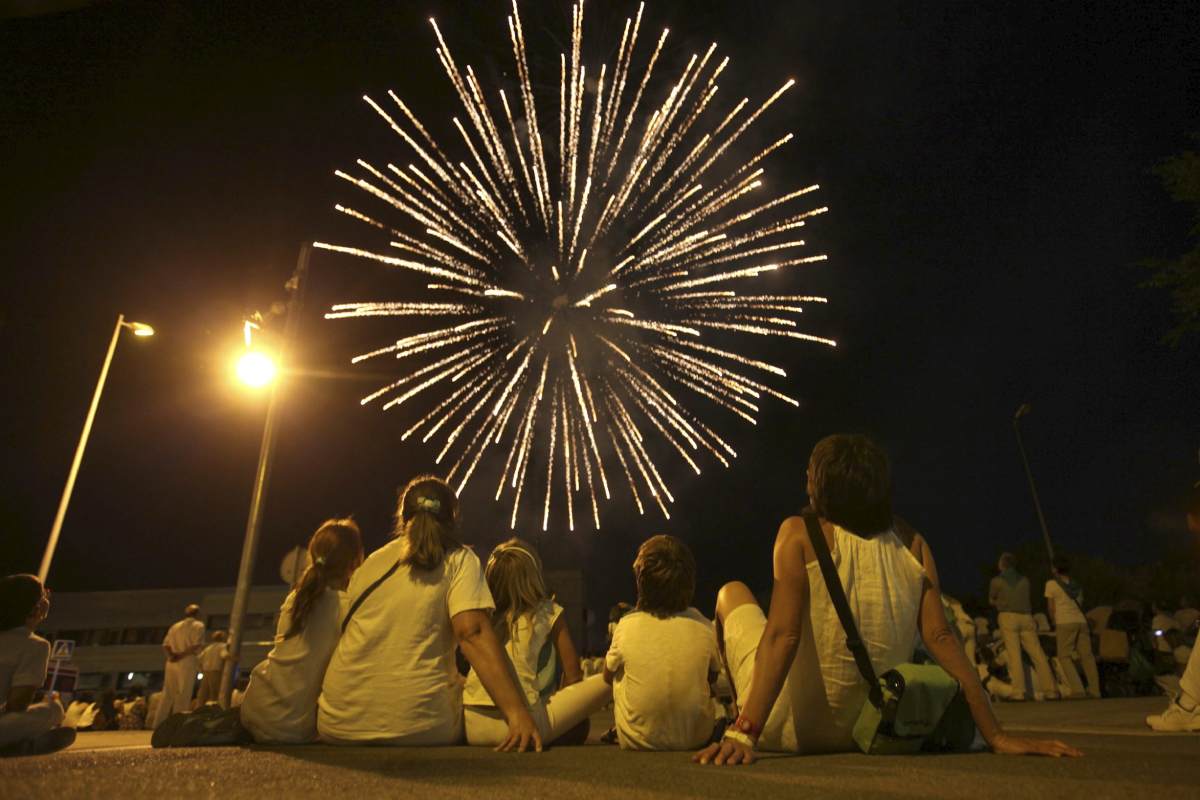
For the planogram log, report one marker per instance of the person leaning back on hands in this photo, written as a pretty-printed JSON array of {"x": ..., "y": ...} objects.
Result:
[
  {"x": 796, "y": 682},
  {"x": 392, "y": 678}
]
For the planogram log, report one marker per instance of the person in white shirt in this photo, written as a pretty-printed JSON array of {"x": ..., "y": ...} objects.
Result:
[
  {"x": 663, "y": 658},
  {"x": 280, "y": 704},
  {"x": 182, "y": 646},
  {"x": 536, "y": 639},
  {"x": 212, "y": 663},
  {"x": 798, "y": 688},
  {"x": 392, "y": 678},
  {"x": 26, "y": 727},
  {"x": 1064, "y": 606}
]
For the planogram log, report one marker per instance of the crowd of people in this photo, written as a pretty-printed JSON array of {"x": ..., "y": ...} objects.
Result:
[{"x": 368, "y": 648}]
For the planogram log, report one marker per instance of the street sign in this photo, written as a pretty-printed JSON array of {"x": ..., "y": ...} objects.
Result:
[
  {"x": 293, "y": 565},
  {"x": 62, "y": 650}
]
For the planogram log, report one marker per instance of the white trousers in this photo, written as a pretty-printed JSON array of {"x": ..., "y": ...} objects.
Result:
[
  {"x": 561, "y": 712},
  {"x": 1020, "y": 631},
  {"x": 178, "y": 682},
  {"x": 17, "y": 726},
  {"x": 1190, "y": 682}
]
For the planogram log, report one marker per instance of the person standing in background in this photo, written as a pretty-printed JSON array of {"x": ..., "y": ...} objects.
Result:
[
  {"x": 182, "y": 646},
  {"x": 1064, "y": 606},
  {"x": 1009, "y": 594},
  {"x": 212, "y": 663}
]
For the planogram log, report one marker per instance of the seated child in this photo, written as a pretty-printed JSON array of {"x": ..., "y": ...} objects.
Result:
[
  {"x": 663, "y": 656},
  {"x": 280, "y": 703},
  {"x": 531, "y": 628},
  {"x": 26, "y": 727}
]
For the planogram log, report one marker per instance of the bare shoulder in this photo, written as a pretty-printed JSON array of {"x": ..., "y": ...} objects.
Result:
[{"x": 792, "y": 530}]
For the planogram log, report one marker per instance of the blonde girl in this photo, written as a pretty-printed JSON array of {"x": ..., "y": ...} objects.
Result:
[
  {"x": 534, "y": 633},
  {"x": 280, "y": 704}
]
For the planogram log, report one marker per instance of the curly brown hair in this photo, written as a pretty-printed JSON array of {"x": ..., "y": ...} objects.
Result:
[{"x": 665, "y": 571}]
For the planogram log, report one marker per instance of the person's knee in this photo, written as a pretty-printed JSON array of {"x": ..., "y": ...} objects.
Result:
[{"x": 732, "y": 595}]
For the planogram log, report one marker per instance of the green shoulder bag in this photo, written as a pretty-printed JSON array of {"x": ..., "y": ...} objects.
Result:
[{"x": 910, "y": 708}]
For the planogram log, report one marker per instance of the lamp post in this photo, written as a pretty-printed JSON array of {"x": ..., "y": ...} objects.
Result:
[
  {"x": 139, "y": 329},
  {"x": 1022, "y": 411},
  {"x": 259, "y": 374}
]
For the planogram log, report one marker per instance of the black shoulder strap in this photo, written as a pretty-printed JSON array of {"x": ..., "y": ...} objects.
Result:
[
  {"x": 367, "y": 593},
  {"x": 837, "y": 594}
]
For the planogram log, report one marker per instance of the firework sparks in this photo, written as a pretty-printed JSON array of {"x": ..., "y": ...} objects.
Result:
[{"x": 591, "y": 312}]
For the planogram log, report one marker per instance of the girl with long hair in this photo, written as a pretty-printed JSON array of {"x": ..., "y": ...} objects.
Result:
[
  {"x": 392, "y": 679},
  {"x": 538, "y": 644},
  {"x": 280, "y": 704}
]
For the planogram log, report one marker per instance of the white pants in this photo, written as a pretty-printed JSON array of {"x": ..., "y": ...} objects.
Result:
[
  {"x": 1020, "y": 631},
  {"x": 17, "y": 726},
  {"x": 178, "y": 683},
  {"x": 561, "y": 712},
  {"x": 1190, "y": 682}
]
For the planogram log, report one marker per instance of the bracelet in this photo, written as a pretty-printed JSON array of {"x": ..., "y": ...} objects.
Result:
[
  {"x": 746, "y": 725},
  {"x": 738, "y": 736}
]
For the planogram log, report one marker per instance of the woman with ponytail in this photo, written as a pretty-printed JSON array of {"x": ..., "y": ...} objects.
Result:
[
  {"x": 392, "y": 678},
  {"x": 280, "y": 704}
]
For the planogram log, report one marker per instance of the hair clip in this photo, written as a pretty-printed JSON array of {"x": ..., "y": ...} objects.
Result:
[
  {"x": 319, "y": 561},
  {"x": 430, "y": 504}
]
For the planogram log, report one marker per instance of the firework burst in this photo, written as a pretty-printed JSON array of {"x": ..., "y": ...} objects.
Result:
[{"x": 583, "y": 304}]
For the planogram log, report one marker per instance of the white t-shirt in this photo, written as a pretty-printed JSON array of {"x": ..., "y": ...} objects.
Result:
[
  {"x": 1066, "y": 610},
  {"x": 524, "y": 647},
  {"x": 182, "y": 637},
  {"x": 660, "y": 689},
  {"x": 23, "y": 659},
  {"x": 280, "y": 704},
  {"x": 393, "y": 674}
]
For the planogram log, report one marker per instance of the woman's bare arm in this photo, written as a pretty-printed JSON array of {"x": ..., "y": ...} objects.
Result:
[
  {"x": 780, "y": 639},
  {"x": 481, "y": 648},
  {"x": 944, "y": 646}
]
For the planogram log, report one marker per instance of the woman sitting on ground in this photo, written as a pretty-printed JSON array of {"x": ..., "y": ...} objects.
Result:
[
  {"x": 535, "y": 636},
  {"x": 280, "y": 703},
  {"x": 796, "y": 682},
  {"x": 392, "y": 679}
]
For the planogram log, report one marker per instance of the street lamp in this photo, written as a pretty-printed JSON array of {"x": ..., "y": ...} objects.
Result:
[
  {"x": 1022, "y": 411},
  {"x": 139, "y": 329},
  {"x": 257, "y": 369}
]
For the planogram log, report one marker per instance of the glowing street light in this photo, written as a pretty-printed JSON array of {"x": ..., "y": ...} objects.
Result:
[
  {"x": 255, "y": 369},
  {"x": 139, "y": 329}
]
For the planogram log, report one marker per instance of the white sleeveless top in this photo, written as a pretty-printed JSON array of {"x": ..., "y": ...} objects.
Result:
[{"x": 824, "y": 692}]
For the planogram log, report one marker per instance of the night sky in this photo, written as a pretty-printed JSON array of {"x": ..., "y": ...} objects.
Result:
[{"x": 987, "y": 166}]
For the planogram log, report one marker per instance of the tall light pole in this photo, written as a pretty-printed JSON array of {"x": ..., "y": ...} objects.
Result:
[
  {"x": 139, "y": 329},
  {"x": 1022, "y": 411},
  {"x": 241, "y": 595}
]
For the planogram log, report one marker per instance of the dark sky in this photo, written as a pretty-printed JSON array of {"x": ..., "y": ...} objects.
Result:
[{"x": 988, "y": 171}]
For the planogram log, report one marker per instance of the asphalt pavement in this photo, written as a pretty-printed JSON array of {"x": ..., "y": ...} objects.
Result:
[{"x": 1123, "y": 760}]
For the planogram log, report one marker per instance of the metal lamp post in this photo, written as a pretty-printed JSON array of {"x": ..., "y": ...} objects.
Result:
[
  {"x": 241, "y": 595},
  {"x": 1022, "y": 411},
  {"x": 139, "y": 329}
]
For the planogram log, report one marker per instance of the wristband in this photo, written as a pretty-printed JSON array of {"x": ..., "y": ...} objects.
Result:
[
  {"x": 738, "y": 736},
  {"x": 747, "y": 726}
]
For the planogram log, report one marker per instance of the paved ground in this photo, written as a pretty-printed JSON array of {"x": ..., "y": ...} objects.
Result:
[{"x": 1124, "y": 759}]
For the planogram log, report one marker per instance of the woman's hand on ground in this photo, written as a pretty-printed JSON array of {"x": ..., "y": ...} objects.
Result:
[
  {"x": 726, "y": 752},
  {"x": 1007, "y": 745},
  {"x": 521, "y": 734}
]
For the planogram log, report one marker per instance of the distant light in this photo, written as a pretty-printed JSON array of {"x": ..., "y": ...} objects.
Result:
[
  {"x": 141, "y": 329},
  {"x": 1158, "y": 633},
  {"x": 129, "y": 677},
  {"x": 255, "y": 369},
  {"x": 200, "y": 676}
]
